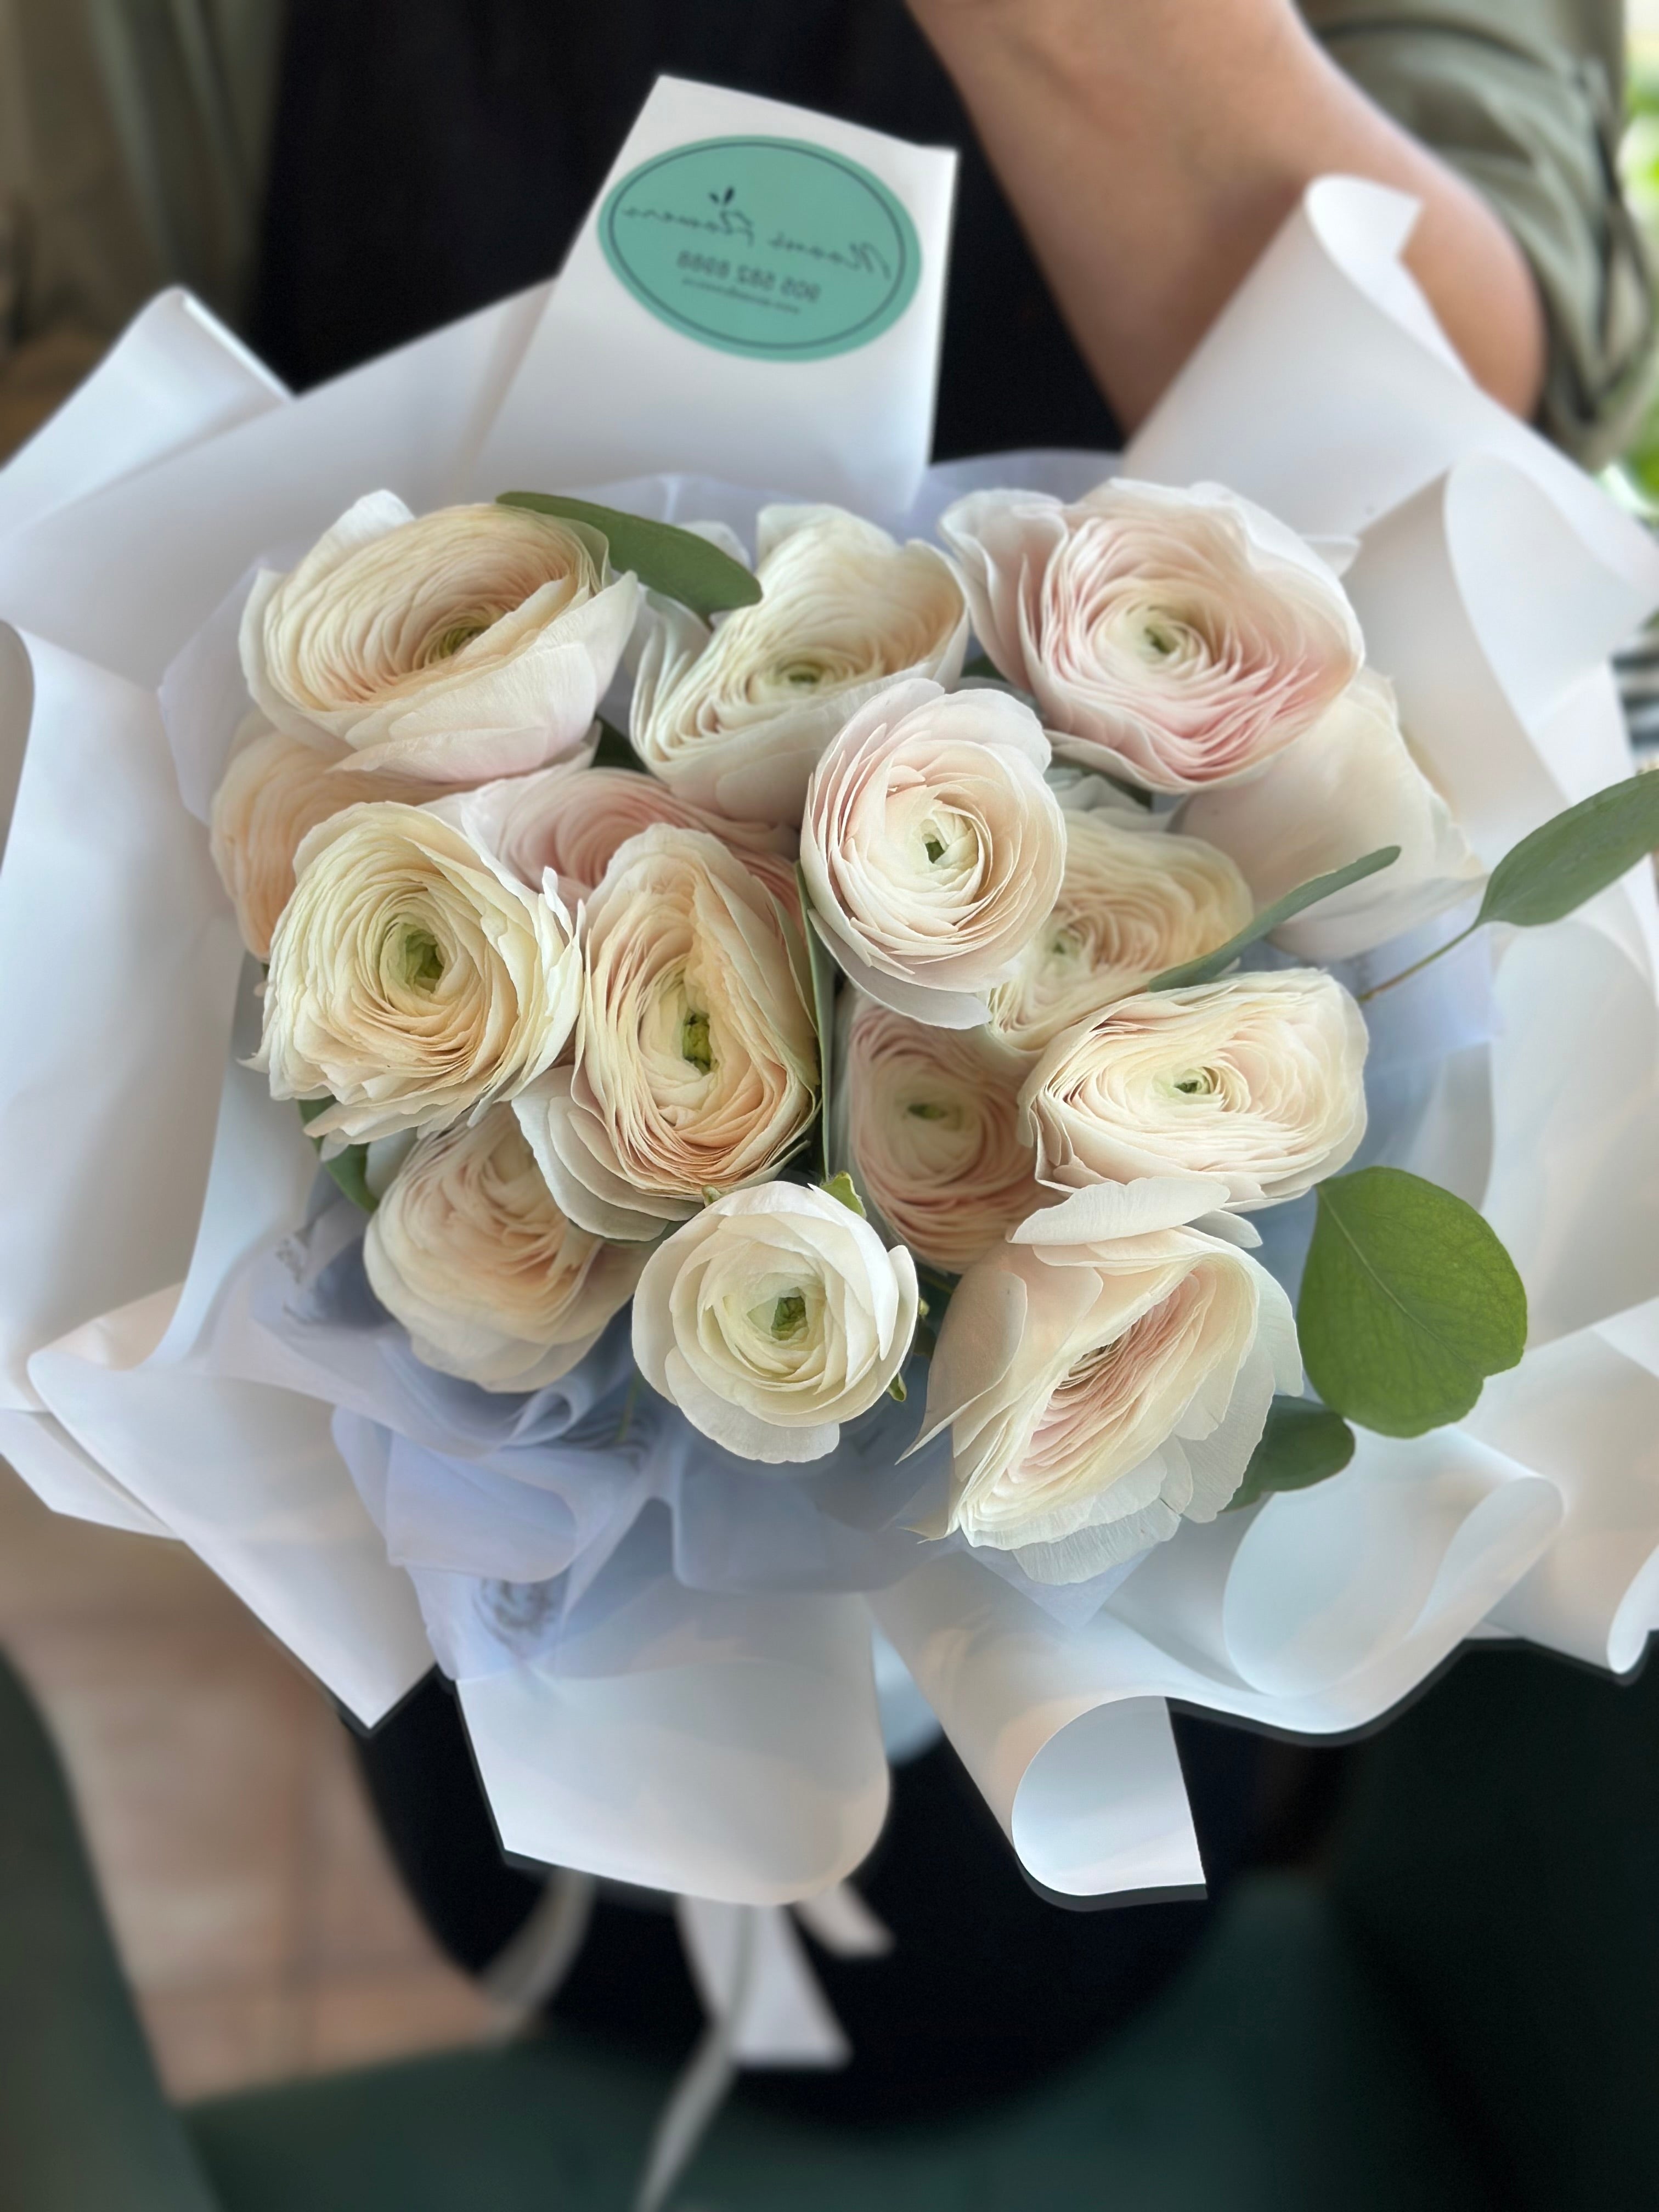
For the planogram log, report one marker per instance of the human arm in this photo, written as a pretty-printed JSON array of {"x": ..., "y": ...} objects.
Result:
[{"x": 1152, "y": 148}]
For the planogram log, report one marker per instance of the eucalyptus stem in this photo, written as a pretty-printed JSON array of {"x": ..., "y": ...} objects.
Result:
[{"x": 1417, "y": 966}]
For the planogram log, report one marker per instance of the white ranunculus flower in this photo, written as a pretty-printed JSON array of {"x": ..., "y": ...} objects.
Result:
[
  {"x": 1347, "y": 786},
  {"x": 696, "y": 1065},
  {"x": 476, "y": 641},
  {"x": 1258, "y": 1079},
  {"x": 930, "y": 1120},
  {"x": 1134, "y": 900},
  {"x": 568, "y": 820},
  {"x": 932, "y": 848},
  {"x": 468, "y": 1250},
  {"x": 734, "y": 718},
  {"x": 774, "y": 1316},
  {"x": 413, "y": 978},
  {"x": 1179, "y": 639},
  {"x": 273, "y": 793},
  {"x": 1106, "y": 1374}
]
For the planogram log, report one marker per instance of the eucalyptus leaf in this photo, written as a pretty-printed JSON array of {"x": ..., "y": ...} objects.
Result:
[
  {"x": 1209, "y": 965},
  {"x": 675, "y": 562},
  {"x": 348, "y": 1169},
  {"x": 1408, "y": 1302},
  {"x": 1303, "y": 1444},
  {"x": 1574, "y": 855},
  {"x": 823, "y": 969}
]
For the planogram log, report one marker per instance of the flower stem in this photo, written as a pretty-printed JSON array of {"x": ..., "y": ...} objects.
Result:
[{"x": 1417, "y": 966}]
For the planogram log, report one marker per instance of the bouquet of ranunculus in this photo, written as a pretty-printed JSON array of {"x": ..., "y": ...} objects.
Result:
[{"x": 1069, "y": 1075}]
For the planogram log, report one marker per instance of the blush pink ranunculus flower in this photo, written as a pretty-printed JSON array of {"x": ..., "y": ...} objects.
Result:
[
  {"x": 696, "y": 1062},
  {"x": 932, "y": 849},
  {"x": 1105, "y": 1374},
  {"x": 570, "y": 819},
  {"x": 471, "y": 642},
  {"x": 468, "y": 1249},
  {"x": 1258, "y": 1079},
  {"x": 929, "y": 1118},
  {"x": 1178, "y": 639}
]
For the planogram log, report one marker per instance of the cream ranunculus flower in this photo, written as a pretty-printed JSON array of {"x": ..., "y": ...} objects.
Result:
[
  {"x": 735, "y": 719},
  {"x": 696, "y": 1060},
  {"x": 413, "y": 978},
  {"x": 930, "y": 1120},
  {"x": 1134, "y": 900},
  {"x": 932, "y": 848},
  {"x": 1180, "y": 639},
  {"x": 569, "y": 821},
  {"x": 476, "y": 641},
  {"x": 1105, "y": 1374},
  {"x": 774, "y": 1316},
  {"x": 1257, "y": 1080},
  {"x": 469, "y": 1251},
  {"x": 275, "y": 791},
  {"x": 1349, "y": 786}
]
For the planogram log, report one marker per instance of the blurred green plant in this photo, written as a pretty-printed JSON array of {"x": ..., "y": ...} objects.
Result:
[{"x": 1638, "y": 471}]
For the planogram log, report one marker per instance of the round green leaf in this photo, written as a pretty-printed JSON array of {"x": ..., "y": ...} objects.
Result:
[
  {"x": 1574, "y": 854},
  {"x": 675, "y": 562},
  {"x": 1408, "y": 1302},
  {"x": 1303, "y": 1444}
]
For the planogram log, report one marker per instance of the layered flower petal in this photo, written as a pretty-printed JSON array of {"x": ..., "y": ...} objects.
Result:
[
  {"x": 1133, "y": 901},
  {"x": 1347, "y": 786},
  {"x": 468, "y": 1249},
  {"x": 696, "y": 1059},
  {"x": 932, "y": 1127},
  {"x": 275, "y": 791},
  {"x": 1104, "y": 1376},
  {"x": 568, "y": 820},
  {"x": 774, "y": 1316},
  {"x": 1178, "y": 638},
  {"x": 1258, "y": 1079},
  {"x": 932, "y": 848},
  {"x": 413, "y": 978},
  {"x": 735, "y": 719},
  {"x": 472, "y": 642}
]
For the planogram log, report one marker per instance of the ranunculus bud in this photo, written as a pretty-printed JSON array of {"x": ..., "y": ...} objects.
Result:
[
  {"x": 735, "y": 719},
  {"x": 413, "y": 978},
  {"x": 1179, "y": 639},
  {"x": 1134, "y": 900},
  {"x": 932, "y": 848},
  {"x": 696, "y": 1059},
  {"x": 469, "y": 1251},
  {"x": 1258, "y": 1079},
  {"x": 771, "y": 1318},
  {"x": 477, "y": 642},
  {"x": 1105, "y": 1374},
  {"x": 1347, "y": 786},
  {"x": 931, "y": 1121},
  {"x": 275, "y": 791}
]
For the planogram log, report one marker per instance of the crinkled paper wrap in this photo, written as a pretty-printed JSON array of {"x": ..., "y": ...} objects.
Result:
[{"x": 725, "y": 1743}]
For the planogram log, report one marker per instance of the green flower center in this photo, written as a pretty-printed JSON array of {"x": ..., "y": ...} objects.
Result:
[
  {"x": 693, "y": 1043},
  {"x": 420, "y": 959},
  {"x": 789, "y": 1315}
]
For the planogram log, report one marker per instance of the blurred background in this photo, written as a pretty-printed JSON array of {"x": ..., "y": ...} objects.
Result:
[{"x": 260, "y": 1920}]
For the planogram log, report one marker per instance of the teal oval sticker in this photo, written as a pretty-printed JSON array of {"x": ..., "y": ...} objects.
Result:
[{"x": 765, "y": 246}]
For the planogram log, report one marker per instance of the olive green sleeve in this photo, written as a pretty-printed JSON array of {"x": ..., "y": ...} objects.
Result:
[{"x": 1525, "y": 98}]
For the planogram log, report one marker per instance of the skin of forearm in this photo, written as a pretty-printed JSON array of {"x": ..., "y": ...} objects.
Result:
[{"x": 1152, "y": 148}]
